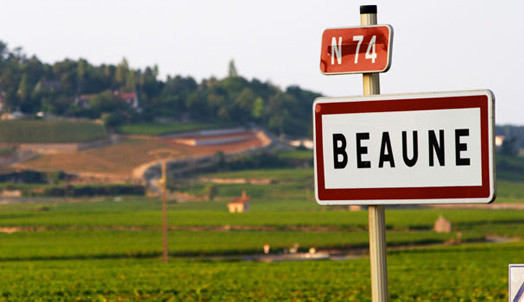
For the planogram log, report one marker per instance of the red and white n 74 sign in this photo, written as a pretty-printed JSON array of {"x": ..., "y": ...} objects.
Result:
[
  {"x": 405, "y": 149},
  {"x": 356, "y": 49}
]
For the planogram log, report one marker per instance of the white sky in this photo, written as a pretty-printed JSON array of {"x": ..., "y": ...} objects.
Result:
[{"x": 441, "y": 45}]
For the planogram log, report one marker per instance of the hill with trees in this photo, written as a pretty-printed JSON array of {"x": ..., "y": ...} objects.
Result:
[{"x": 119, "y": 94}]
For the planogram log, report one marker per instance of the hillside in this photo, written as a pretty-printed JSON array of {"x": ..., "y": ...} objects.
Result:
[
  {"x": 121, "y": 95},
  {"x": 118, "y": 161}
]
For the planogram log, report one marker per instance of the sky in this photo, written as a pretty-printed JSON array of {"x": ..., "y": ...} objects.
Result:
[{"x": 444, "y": 45}]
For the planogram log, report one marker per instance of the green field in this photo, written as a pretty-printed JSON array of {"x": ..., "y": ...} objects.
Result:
[
  {"x": 288, "y": 175},
  {"x": 298, "y": 184},
  {"x": 294, "y": 155},
  {"x": 165, "y": 128},
  {"x": 471, "y": 273},
  {"x": 50, "y": 131},
  {"x": 110, "y": 251}
]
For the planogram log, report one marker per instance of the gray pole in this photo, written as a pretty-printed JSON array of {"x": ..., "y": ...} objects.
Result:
[{"x": 377, "y": 224}]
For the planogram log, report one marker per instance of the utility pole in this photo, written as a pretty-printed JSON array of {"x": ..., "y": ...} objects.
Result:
[{"x": 163, "y": 156}]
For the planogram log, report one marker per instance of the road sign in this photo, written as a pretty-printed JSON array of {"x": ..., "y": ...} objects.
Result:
[
  {"x": 516, "y": 282},
  {"x": 405, "y": 149},
  {"x": 356, "y": 49}
]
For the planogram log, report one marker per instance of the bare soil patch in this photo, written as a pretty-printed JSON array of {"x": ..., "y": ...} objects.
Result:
[{"x": 122, "y": 158}]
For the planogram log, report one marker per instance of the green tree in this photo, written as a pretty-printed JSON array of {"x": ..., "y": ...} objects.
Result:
[
  {"x": 131, "y": 80},
  {"x": 114, "y": 119},
  {"x": 122, "y": 69},
  {"x": 106, "y": 102},
  {"x": 243, "y": 104},
  {"x": 196, "y": 105},
  {"x": 258, "y": 108},
  {"x": 510, "y": 146},
  {"x": 81, "y": 74},
  {"x": 211, "y": 191},
  {"x": 232, "y": 73},
  {"x": 24, "y": 89},
  {"x": 4, "y": 51},
  {"x": 175, "y": 92},
  {"x": 246, "y": 99},
  {"x": 215, "y": 102},
  {"x": 47, "y": 106}
]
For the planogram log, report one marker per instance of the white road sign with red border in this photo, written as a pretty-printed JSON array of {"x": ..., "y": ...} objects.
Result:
[{"x": 423, "y": 148}]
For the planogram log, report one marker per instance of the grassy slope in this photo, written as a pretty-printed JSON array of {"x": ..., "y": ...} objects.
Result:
[
  {"x": 165, "y": 128},
  {"x": 50, "y": 131}
]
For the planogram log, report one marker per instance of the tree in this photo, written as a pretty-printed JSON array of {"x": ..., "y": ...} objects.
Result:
[
  {"x": 3, "y": 51},
  {"x": 81, "y": 74},
  {"x": 510, "y": 146},
  {"x": 196, "y": 104},
  {"x": 233, "y": 73},
  {"x": 24, "y": 89},
  {"x": 277, "y": 112},
  {"x": 258, "y": 109},
  {"x": 106, "y": 102},
  {"x": 122, "y": 70},
  {"x": 244, "y": 104},
  {"x": 114, "y": 119},
  {"x": 30, "y": 85},
  {"x": 215, "y": 102},
  {"x": 130, "y": 85},
  {"x": 175, "y": 93},
  {"x": 47, "y": 106},
  {"x": 211, "y": 191}
]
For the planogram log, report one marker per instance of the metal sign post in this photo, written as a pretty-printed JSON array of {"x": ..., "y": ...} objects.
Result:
[{"x": 377, "y": 216}]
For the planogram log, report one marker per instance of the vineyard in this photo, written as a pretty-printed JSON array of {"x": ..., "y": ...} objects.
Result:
[
  {"x": 110, "y": 249},
  {"x": 475, "y": 273},
  {"x": 50, "y": 131}
]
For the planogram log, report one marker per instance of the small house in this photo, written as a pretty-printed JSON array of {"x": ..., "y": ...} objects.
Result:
[
  {"x": 130, "y": 98},
  {"x": 442, "y": 225},
  {"x": 239, "y": 204}
]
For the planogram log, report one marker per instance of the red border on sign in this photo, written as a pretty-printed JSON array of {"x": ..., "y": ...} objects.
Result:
[{"x": 411, "y": 104}]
